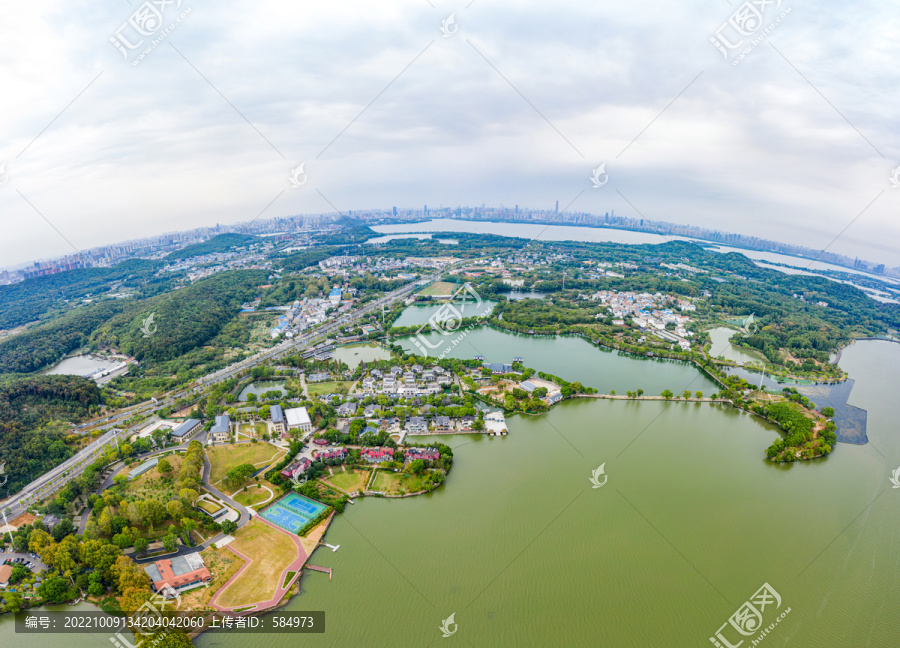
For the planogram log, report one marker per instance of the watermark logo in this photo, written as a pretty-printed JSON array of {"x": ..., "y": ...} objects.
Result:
[
  {"x": 3, "y": 473},
  {"x": 147, "y": 21},
  {"x": 747, "y": 621},
  {"x": 149, "y": 327},
  {"x": 600, "y": 177},
  {"x": 748, "y": 326},
  {"x": 747, "y": 28},
  {"x": 895, "y": 177},
  {"x": 449, "y": 26},
  {"x": 298, "y": 481},
  {"x": 895, "y": 477},
  {"x": 448, "y": 319},
  {"x": 4, "y": 176},
  {"x": 596, "y": 474},
  {"x": 298, "y": 176},
  {"x": 148, "y": 616},
  {"x": 446, "y": 624}
]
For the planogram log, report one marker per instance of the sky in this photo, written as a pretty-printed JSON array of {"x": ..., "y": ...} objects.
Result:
[{"x": 512, "y": 103}]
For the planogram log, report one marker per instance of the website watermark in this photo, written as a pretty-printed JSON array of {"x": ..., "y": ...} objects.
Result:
[
  {"x": 445, "y": 628},
  {"x": 596, "y": 474},
  {"x": 146, "y": 28},
  {"x": 747, "y": 621},
  {"x": 143, "y": 616},
  {"x": 148, "y": 326},
  {"x": 747, "y": 28},
  {"x": 447, "y": 322}
]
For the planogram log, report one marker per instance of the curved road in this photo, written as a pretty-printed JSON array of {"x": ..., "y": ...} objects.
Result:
[{"x": 243, "y": 512}]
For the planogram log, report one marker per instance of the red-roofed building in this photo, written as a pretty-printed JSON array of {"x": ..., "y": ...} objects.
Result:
[
  {"x": 377, "y": 455},
  {"x": 320, "y": 442},
  {"x": 181, "y": 573},
  {"x": 428, "y": 454},
  {"x": 296, "y": 469}
]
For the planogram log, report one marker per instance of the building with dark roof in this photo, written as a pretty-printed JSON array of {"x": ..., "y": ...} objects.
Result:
[
  {"x": 186, "y": 430},
  {"x": 277, "y": 416}
]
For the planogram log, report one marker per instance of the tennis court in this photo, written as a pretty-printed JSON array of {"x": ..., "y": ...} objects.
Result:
[{"x": 293, "y": 512}]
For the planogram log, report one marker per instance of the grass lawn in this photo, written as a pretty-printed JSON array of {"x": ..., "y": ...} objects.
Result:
[
  {"x": 152, "y": 485},
  {"x": 253, "y": 495},
  {"x": 439, "y": 289},
  {"x": 271, "y": 552},
  {"x": 391, "y": 483},
  {"x": 222, "y": 564},
  {"x": 223, "y": 458},
  {"x": 210, "y": 507},
  {"x": 334, "y": 387},
  {"x": 349, "y": 481}
]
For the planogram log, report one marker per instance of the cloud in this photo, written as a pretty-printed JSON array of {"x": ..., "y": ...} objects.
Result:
[{"x": 516, "y": 108}]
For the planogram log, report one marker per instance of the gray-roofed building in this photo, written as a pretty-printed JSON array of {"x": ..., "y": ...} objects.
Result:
[
  {"x": 221, "y": 430},
  {"x": 277, "y": 415},
  {"x": 186, "y": 430}
]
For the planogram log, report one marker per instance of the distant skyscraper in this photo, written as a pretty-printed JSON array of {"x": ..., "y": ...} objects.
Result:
[
  {"x": 557, "y": 206},
  {"x": 395, "y": 211}
]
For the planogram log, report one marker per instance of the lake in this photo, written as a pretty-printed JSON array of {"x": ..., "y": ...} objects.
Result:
[
  {"x": 260, "y": 387},
  {"x": 518, "y": 295},
  {"x": 353, "y": 354},
  {"x": 690, "y": 524}
]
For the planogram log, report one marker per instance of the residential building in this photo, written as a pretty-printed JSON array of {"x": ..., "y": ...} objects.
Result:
[
  {"x": 498, "y": 368},
  {"x": 377, "y": 455},
  {"x": 330, "y": 453},
  {"x": 278, "y": 422},
  {"x": 298, "y": 417},
  {"x": 346, "y": 409},
  {"x": 416, "y": 425},
  {"x": 220, "y": 432},
  {"x": 443, "y": 424},
  {"x": 169, "y": 577},
  {"x": 427, "y": 454},
  {"x": 296, "y": 469},
  {"x": 318, "y": 377},
  {"x": 186, "y": 430}
]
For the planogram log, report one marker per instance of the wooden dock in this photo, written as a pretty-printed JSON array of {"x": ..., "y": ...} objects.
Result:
[{"x": 324, "y": 570}]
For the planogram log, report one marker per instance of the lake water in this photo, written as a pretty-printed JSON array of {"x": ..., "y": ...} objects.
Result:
[
  {"x": 690, "y": 524},
  {"x": 353, "y": 354},
  {"x": 518, "y": 295},
  {"x": 721, "y": 346},
  {"x": 81, "y": 365},
  {"x": 384, "y": 239},
  {"x": 260, "y": 387},
  {"x": 416, "y": 315}
]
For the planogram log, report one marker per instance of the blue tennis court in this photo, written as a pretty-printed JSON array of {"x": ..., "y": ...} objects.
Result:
[{"x": 293, "y": 512}]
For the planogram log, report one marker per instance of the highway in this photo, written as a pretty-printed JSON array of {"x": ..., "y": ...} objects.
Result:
[{"x": 49, "y": 483}]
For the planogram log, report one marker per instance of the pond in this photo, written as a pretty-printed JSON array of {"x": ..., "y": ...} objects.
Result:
[
  {"x": 353, "y": 354},
  {"x": 519, "y": 295},
  {"x": 261, "y": 387},
  {"x": 417, "y": 315},
  {"x": 722, "y": 347},
  {"x": 81, "y": 365}
]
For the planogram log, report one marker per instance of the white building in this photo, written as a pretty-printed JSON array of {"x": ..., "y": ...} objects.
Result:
[{"x": 298, "y": 417}]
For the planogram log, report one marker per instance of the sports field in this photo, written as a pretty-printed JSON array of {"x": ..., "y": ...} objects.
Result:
[
  {"x": 439, "y": 289},
  {"x": 293, "y": 512}
]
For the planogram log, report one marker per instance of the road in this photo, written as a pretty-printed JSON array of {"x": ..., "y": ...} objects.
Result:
[
  {"x": 243, "y": 512},
  {"x": 54, "y": 480}
]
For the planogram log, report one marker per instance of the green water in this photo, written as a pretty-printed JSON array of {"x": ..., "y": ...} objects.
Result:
[
  {"x": 722, "y": 347},
  {"x": 691, "y": 522},
  {"x": 353, "y": 354},
  {"x": 261, "y": 387},
  {"x": 417, "y": 315}
]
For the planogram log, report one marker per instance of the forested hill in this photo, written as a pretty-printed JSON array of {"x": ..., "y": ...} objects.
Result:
[
  {"x": 27, "y": 300},
  {"x": 27, "y": 404},
  {"x": 183, "y": 319},
  {"x": 218, "y": 243}
]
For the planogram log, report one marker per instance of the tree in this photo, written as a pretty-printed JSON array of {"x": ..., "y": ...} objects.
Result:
[
  {"x": 169, "y": 541},
  {"x": 686, "y": 394},
  {"x": 416, "y": 466},
  {"x": 828, "y": 411},
  {"x": 54, "y": 589},
  {"x": 165, "y": 468},
  {"x": 640, "y": 392},
  {"x": 229, "y": 526},
  {"x": 176, "y": 509},
  {"x": 699, "y": 394},
  {"x": 62, "y": 529},
  {"x": 188, "y": 496},
  {"x": 141, "y": 544},
  {"x": 187, "y": 526},
  {"x": 667, "y": 394}
]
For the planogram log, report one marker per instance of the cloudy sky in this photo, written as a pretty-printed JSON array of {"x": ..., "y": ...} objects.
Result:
[{"x": 795, "y": 141}]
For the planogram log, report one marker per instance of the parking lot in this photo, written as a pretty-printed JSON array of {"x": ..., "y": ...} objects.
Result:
[{"x": 26, "y": 559}]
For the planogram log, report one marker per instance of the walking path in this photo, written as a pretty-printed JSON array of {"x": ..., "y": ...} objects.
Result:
[{"x": 281, "y": 588}]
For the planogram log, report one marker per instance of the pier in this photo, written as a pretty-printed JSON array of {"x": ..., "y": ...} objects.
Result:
[{"x": 324, "y": 570}]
